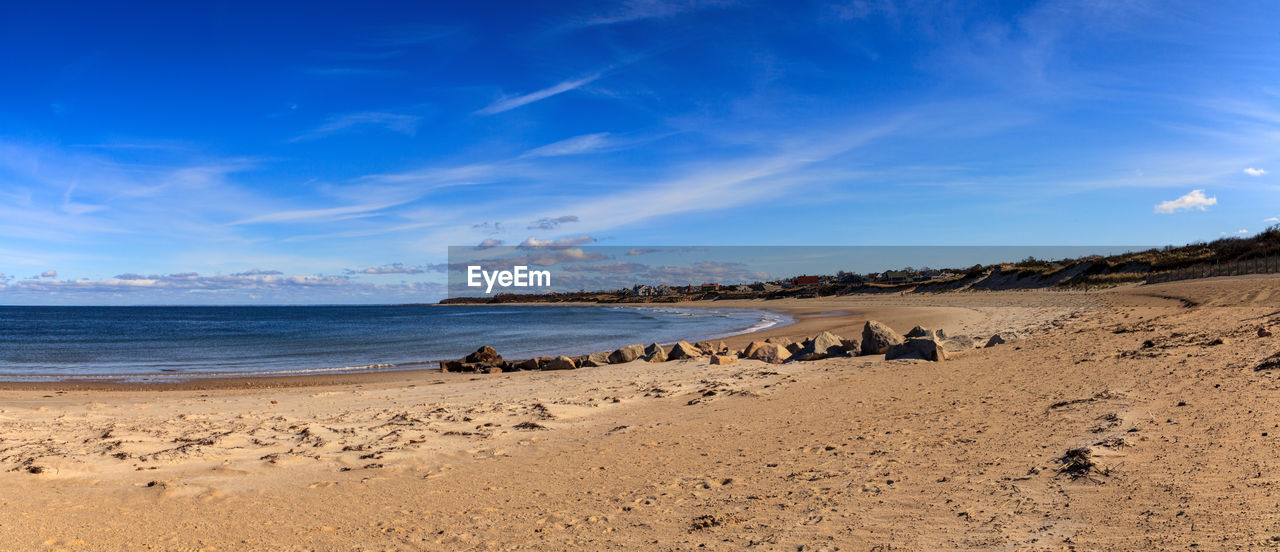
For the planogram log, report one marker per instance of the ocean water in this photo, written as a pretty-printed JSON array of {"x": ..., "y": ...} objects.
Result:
[{"x": 145, "y": 343}]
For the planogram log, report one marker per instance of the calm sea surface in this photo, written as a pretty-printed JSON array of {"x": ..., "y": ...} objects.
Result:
[{"x": 166, "y": 342}]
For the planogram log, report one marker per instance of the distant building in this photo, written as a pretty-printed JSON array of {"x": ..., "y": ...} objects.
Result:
[
  {"x": 808, "y": 280},
  {"x": 741, "y": 287},
  {"x": 710, "y": 287},
  {"x": 897, "y": 276},
  {"x": 643, "y": 291}
]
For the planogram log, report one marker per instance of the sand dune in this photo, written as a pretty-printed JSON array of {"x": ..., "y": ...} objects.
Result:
[{"x": 1156, "y": 383}]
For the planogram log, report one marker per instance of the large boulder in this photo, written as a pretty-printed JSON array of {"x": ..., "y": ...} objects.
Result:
[
  {"x": 626, "y": 354},
  {"x": 751, "y": 348},
  {"x": 852, "y": 346},
  {"x": 772, "y": 353},
  {"x": 682, "y": 350},
  {"x": 559, "y": 363},
  {"x": 877, "y": 338},
  {"x": 920, "y": 331},
  {"x": 724, "y": 359},
  {"x": 921, "y": 348},
  {"x": 531, "y": 364},
  {"x": 483, "y": 354},
  {"x": 823, "y": 345},
  {"x": 595, "y": 359},
  {"x": 784, "y": 341},
  {"x": 712, "y": 348},
  {"x": 655, "y": 353}
]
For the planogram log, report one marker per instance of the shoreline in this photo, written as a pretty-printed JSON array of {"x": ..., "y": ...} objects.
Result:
[{"x": 807, "y": 317}]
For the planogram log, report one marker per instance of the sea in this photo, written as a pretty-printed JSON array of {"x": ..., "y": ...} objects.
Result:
[{"x": 176, "y": 342}]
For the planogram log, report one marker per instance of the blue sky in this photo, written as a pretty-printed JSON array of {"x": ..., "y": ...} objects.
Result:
[{"x": 239, "y": 153}]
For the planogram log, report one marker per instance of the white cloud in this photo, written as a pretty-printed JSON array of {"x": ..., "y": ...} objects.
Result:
[
  {"x": 1239, "y": 232},
  {"x": 577, "y": 145},
  {"x": 507, "y": 104},
  {"x": 1193, "y": 200},
  {"x": 535, "y": 243},
  {"x": 1254, "y": 172},
  {"x": 1271, "y": 219},
  {"x": 49, "y": 274},
  {"x": 489, "y": 243}
]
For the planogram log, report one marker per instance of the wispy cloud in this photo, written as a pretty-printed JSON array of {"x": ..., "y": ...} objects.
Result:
[
  {"x": 395, "y": 122},
  {"x": 1195, "y": 199},
  {"x": 640, "y": 10},
  {"x": 350, "y": 72},
  {"x": 509, "y": 103},
  {"x": 1254, "y": 172},
  {"x": 303, "y": 215},
  {"x": 1270, "y": 220},
  {"x": 552, "y": 223},
  {"x": 586, "y": 143},
  {"x": 397, "y": 268}
]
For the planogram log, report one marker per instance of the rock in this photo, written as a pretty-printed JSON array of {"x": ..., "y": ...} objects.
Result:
[
  {"x": 483, "y": 354},
  {"x": 655, "y": 353},
  {"x": 959, "y": 343},
  {"x": 751, "y": 348},
  {"x": 779, "y": 341},
  {"x": 595, "y": 359},
  {"x": 922, "y": 348},
  {"x": 683, "y": 350},
  {"x": 559, "y": 363},
  {"x": 626, "y": 354},
  {"x": 877, "y": 338},
  {"x": 531, "y": 364},
  {"x": 823, "y": 345},
  {"x": 723, "y": 359},
  {"x": 460, "y": 366},
  {"x": 852, "y": 346},
  {"x": 772, "y": 353},
  {"x": 1263, "y": 332},
  {"x": 709, "y": 348},
  {"x": 919, "y": 331},
  {"x": 1002, "y": 338},
  {"x": 794, "y": 347}
]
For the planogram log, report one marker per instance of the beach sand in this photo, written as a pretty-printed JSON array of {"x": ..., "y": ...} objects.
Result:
[{"x": 843, "y": 453}]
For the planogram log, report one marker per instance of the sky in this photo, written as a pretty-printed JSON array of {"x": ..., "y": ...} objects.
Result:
[{"x": 176, "y": 153}]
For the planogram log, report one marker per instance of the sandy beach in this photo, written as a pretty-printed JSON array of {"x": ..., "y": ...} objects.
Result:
[{"x": 853, "y": 453}]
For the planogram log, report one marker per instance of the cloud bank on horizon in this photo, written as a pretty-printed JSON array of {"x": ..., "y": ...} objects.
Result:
[{"x": 338, "y": 153}]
